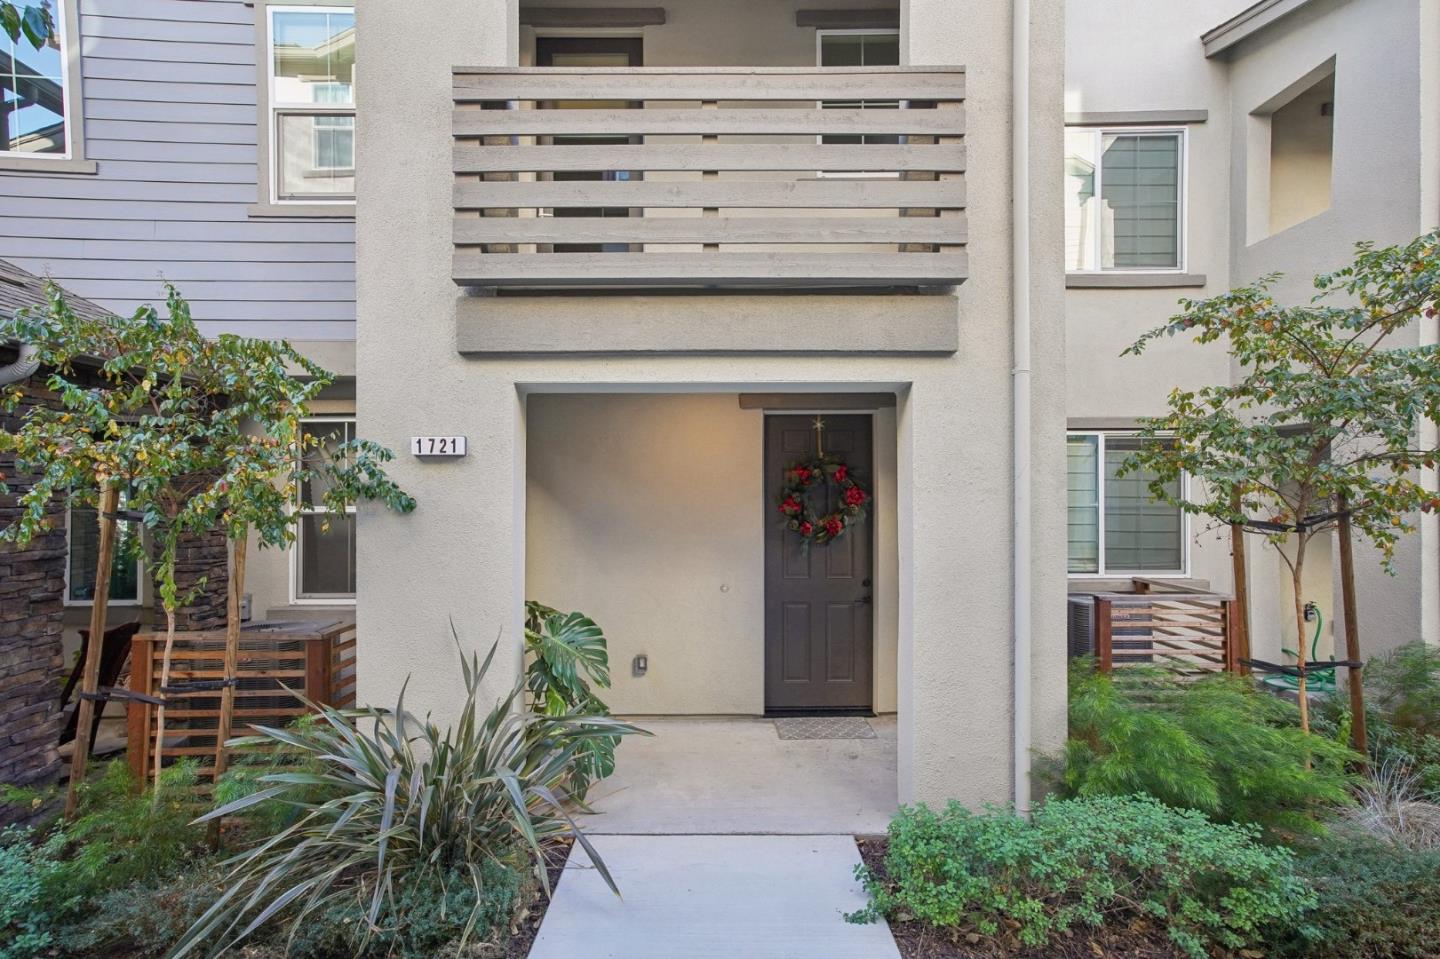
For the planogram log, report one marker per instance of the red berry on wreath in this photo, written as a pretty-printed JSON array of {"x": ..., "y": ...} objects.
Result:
[
  {"x": 806, "y": 528},
  {"x": 833, "y": 526},
  {"x": 841, "y": 472},
  {"x": 854, "y": 496},
  {"x": 791, "y": 506}
]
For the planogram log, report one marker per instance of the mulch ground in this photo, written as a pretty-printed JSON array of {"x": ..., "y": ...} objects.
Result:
[
  {"x": 918, "y": 940},
  {"x": 527, "y": 927}
]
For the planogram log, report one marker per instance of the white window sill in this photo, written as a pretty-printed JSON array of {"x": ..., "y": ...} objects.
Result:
[
  {"x": 1118, "y": 280},
  {"x": 39, "y": 164},
  {"x": 337, "y": 211}
]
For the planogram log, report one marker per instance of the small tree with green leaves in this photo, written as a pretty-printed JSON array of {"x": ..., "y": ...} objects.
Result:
[
  {"x": 1320, "y": 428},
  {"x": 199, "y": 433}
]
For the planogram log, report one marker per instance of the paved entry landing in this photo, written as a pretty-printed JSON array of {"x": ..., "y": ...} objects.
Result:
[{"x": 712, "y": 897}]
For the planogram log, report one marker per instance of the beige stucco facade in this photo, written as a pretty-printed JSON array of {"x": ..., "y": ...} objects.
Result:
[
  {"x": 474, "y": 548},
  {"x": 1138, "y": 58}
]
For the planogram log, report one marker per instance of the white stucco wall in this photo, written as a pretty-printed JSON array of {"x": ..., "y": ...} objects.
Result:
[{"x": 648, "y": 513}]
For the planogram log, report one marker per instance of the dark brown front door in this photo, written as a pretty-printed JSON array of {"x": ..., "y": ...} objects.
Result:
[{"x": 818, "y": 621}]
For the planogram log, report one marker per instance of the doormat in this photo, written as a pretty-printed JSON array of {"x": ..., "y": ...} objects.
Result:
[{"x": 824, "y": 727}]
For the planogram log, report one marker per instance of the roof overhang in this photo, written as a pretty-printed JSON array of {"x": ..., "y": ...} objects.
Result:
[{"x": 1247, "y": 23}]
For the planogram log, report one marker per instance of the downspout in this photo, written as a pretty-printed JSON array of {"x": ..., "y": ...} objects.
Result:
[
  {"x": 24, "y": 366},
  {"x": 1020, "y": 384}
]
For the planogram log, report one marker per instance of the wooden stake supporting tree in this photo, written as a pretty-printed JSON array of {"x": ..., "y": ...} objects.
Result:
[
  {"x": 1320, "y": 430},
  {"x": 200, "y": 433},
  {"x": 90, "y": 677}
]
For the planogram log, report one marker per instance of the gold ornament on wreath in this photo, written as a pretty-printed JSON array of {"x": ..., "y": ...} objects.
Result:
[{"x": 821, "y": 470}]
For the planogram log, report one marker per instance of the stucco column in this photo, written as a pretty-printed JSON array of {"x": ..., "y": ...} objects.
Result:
[
  {"x": 457, "y": 556},
  {"x": 956, "y": 709}
]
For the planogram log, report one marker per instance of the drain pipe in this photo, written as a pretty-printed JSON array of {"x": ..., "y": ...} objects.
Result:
[
  {"x": 24, "y": 366},
  {"x": 1020, "y": 383}
]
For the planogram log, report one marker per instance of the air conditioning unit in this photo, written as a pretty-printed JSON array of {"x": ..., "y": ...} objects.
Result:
[{"x": 1080, "y": 625}]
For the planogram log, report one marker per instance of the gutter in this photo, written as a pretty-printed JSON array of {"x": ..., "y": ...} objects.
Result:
[
  {"x": 24, "y": 366},
  {"x": 1020, "y": 387}
]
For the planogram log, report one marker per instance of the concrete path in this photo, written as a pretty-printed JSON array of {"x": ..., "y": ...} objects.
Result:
[
  {"x": 712, "y": 897},
  {"x": 737, "y": 775}
]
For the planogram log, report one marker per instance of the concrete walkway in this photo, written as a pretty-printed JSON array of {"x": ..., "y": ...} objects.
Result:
[
  {"x": 712, "y": 897},
  {"x": 736, "y": 775}
]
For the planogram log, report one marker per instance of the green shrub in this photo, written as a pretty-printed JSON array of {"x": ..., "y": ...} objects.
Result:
[
  {"x": 1216, "y": 745},
  {"x": 145, "y": 916},
  {"x": 398, "y": 803},
  {"x": 26, "y": 919},
  {"x": 1083, "y": 862},
  {"x": 424, "y": 917},
  {"x": 1376, "y": 902}
]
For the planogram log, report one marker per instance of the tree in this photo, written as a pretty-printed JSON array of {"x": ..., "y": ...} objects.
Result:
[
  {"x": 198, "y": 433},
  {"x": 1320, "y": 430}
]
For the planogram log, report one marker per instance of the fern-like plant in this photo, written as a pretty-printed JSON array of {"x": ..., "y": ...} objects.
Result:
[
  {"x": 1216, "y": 745},
  {"x": 566, "y": 653},
  {"x": 398, "y": 803}
]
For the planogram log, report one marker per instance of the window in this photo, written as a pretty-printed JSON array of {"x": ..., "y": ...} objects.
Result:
[
  {"x": 1115, "y": 525},
  {"x": 83, "y": 544},
  {"x": 859, "y": 48},
  {"x": 324, "y": 551},
  {"x": 312, "y": 103},
  {"x": 1123, "y": 207},
  {"x": 34, "y": 84}
]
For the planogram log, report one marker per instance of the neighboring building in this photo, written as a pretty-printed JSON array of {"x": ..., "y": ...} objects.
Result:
[{"x": 1209, "y": 144}]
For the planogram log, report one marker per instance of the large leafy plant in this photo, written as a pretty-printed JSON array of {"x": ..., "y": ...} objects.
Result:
[
  {"x": 391, "y": 802},
  {"x": 1319, "y": 429},
  {"x": 566, "y": 653},
  {"x": 1080, "y": 863},
  {"x": 1215, "y": 745}
]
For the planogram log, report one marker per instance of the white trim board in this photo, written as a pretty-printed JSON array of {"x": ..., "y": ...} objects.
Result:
[{"x": 1246, "y": 24}]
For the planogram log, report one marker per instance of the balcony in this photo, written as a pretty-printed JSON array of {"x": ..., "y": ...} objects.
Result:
[{"x": 709, "y": 177}]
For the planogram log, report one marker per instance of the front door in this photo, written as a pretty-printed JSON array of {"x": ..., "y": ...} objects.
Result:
[{"x": 818, "y": 621}]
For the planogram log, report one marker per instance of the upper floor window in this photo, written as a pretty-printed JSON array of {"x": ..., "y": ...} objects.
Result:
[
  {"x": 1124, "y": 207},
  {"x": 312, "y": 103},
  {"x": 324, "y": 551},
  {"x": 34, "y": 84},
  {"x": 858, "y": 48},
  {"x": 1116, "y": 526}
]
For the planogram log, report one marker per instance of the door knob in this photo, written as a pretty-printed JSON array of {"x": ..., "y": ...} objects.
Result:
[{"x": 863, "y": 600}]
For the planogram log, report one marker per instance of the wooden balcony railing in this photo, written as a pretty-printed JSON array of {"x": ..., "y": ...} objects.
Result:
[{"x": 709, "y": 177}]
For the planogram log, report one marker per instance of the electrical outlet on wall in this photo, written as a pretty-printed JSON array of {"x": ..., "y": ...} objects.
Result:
[{"x": 640, "y": 665}]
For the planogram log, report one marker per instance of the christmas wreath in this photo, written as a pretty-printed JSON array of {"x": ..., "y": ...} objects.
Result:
[{"x": 795, "y": 505}]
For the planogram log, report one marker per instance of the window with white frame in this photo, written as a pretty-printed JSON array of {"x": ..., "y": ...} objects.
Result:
[
  {"x": 312, "y": 102},
  {"x": 1116, "y": 525},
  {"x": 858, "y": 48},
  {"x": 324, "y": 551},
  {"x": 1124, "y": 206},
  {"x": 82, "y": 542},
  {"x": 33, "y": 88}
]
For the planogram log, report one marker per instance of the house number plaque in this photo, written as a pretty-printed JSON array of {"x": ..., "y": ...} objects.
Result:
[{"x": 437, "y": 445}]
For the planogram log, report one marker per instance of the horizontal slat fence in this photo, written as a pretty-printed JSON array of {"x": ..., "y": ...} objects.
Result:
[
  {"x": 709, "y": 177},
  {"x": 1184, "y": 633},
  {"x": 313, "y": 659}
]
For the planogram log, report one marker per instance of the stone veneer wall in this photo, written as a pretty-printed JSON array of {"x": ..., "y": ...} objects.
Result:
[{"x": 32, "y": 590}]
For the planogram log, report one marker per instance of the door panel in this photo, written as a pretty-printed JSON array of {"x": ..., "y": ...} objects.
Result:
[{"x": 818, "y": 621}]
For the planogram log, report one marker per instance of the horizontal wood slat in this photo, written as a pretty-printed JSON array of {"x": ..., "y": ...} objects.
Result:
[
  {"x": 837, "y": 122},
  {"x": 905, "y": 200},
  {"x": 812, "y": 194},
  {"x": 727, "y": 229},
  {"x": 944, "y": 157},
  {"x": 659, "y": 84},
  {"x": 680, "y": 269}
]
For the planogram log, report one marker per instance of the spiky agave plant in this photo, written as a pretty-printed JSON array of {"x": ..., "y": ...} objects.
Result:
[{"x": 396, "y": 800}]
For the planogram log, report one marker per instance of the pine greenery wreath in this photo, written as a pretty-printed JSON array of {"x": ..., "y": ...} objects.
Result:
[{"x": 794, "y": 506}]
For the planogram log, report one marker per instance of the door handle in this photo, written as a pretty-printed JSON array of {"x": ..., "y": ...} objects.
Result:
[{"x": 863, "y": 600}]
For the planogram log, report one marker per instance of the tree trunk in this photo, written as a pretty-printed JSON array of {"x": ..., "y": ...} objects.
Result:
[
  {"x": 1296, "y": 575},
  {"x": 90, "y": 677},
  {"x": 232, "y": 649},
  {"x": 1352, "y": 632},
  {"x": 160, "y": 710}
]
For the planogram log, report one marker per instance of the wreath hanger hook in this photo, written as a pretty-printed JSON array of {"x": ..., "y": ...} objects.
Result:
[{"x": 819, "y": 433}]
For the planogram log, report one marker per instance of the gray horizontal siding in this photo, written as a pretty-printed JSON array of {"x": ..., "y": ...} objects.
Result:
[{"x": 170, "y": 94}]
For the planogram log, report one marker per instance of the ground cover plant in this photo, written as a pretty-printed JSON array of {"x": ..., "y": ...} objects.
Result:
[
  {"x": 1217, "y": 745},
  {"x": 1015, "y": 883}
]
